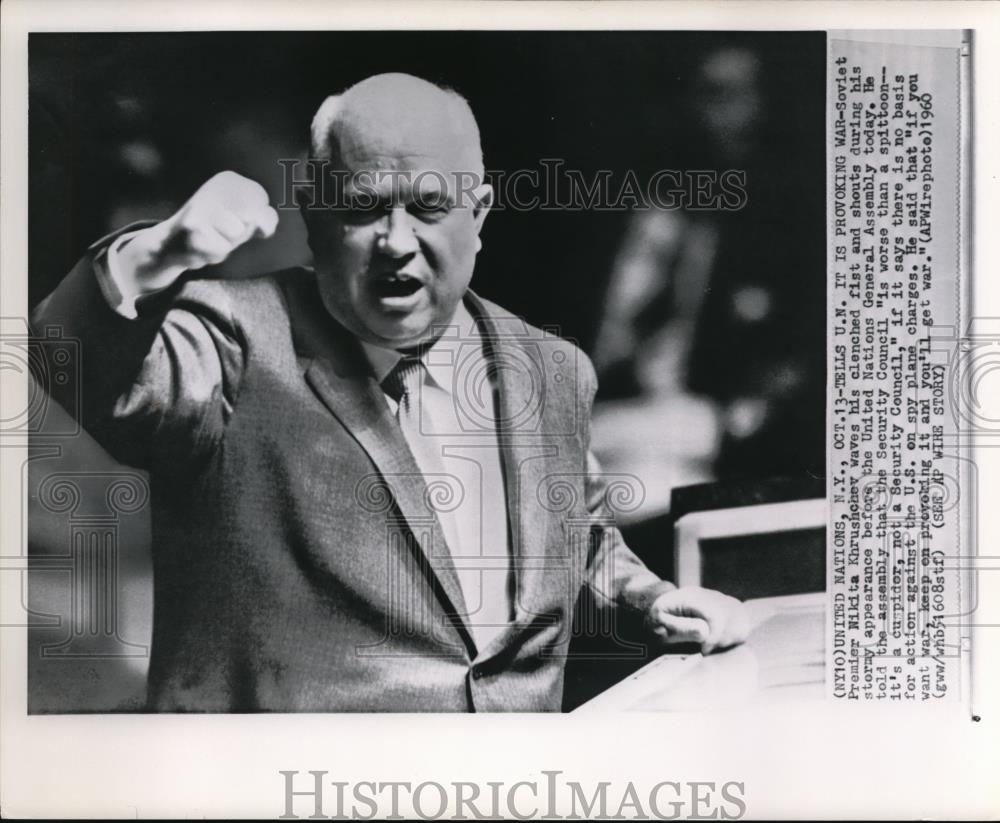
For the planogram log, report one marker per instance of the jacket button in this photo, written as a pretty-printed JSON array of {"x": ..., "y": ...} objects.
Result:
[{"x": 477, "y": 673}]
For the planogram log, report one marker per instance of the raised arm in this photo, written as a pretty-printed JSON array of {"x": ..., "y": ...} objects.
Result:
[{"x": 161, "y": 359}]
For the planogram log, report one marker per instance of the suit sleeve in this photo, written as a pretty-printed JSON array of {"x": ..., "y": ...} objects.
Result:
[
  {"x": 616, "y": 576},
  {"x": 157, "y": 388}
]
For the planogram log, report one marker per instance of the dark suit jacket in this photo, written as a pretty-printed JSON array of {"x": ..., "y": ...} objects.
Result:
[{"x": 297, "y": 558}]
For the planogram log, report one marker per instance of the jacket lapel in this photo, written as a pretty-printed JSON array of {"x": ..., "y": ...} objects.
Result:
[
  {"x": 338, "y": 374},
  {"x": 525, "y": 451}
]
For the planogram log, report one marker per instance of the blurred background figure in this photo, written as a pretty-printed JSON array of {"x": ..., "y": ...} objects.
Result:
[{"x": 711, "y": 352}]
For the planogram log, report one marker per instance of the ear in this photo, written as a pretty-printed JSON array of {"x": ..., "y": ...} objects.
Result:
[{"x": 484, "y": 202}]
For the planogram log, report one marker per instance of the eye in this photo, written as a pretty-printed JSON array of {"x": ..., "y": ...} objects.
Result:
[
  {"x": 430, "y": 207},
  {"x": 361, "y": 210}
]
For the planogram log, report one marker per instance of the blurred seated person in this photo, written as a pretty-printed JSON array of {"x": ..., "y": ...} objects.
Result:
[{"x": 711, "y": 352}]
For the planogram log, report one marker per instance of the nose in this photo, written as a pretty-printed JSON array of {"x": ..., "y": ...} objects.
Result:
[{"x": 397, "y": 237}]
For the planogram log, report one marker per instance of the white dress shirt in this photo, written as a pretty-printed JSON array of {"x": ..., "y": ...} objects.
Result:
[{"x": 456, "y": 447}]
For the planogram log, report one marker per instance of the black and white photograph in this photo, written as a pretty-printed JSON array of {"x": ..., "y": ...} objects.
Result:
[
  {"x": 624, "y": 375},
  {"x": 380, "y": 335}
]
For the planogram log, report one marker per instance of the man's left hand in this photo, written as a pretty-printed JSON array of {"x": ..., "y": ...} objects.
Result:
[{"x": 695, "y": 615}]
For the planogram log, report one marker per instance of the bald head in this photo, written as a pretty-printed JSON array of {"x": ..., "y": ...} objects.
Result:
[
  {"x": 395, "y": 247},
  {"x": 397, "y": 115}
]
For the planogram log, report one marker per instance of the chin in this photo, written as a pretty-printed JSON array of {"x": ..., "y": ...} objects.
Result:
[
  {"x": 399, "y": 335},
  {"x": 406, "y": 329}
]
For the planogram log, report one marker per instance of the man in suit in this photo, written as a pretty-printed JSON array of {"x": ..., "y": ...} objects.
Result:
[{"x": 371, "y": 488}]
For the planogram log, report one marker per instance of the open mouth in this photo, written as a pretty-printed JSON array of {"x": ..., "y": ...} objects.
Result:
[{"x": 397, "y": 285}]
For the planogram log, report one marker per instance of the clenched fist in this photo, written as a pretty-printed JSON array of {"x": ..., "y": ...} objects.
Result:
[
  {"x": 695, "y": 615},
  {"x": 226, "y": 212}
]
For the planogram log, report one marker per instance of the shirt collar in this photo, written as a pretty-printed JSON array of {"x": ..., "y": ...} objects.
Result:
[{"x": 441, "y": 358}]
